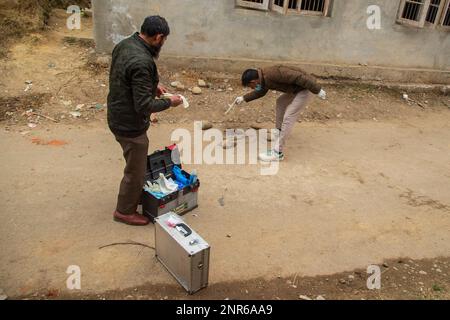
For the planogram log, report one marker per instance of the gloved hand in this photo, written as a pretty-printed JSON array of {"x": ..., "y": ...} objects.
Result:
[
  {"x": 239, "y": 100},
  {"x": 175, "y": 101},
  {"x": 322, "y": 94}
]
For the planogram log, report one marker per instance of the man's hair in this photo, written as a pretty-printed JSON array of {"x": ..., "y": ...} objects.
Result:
[
  {"x": 249, "y": 75},
  {"x": 155, "y": 25}
]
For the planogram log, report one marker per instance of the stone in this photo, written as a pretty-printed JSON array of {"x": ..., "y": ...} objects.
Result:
[
  {"x": 3, "y": 296},
  {"x": 206, "y": 125},
  {"x": 79, "y": 107},
  {"x": 303, "y": 297},
  {"x": 202, "y": 83},
  {"x": 256, "y": 126},
  {"x": 175, "y": 84},
  {"x": 423, "y": 272},
  {"x": 88, "y": 13},
  {"x": 67, "y": 103},
  {"x": 196, "y": 90},
  {"x": 320, "y": 298}
]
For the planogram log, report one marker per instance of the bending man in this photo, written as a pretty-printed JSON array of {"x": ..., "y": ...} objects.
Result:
[{"x": 297, "y": 87}]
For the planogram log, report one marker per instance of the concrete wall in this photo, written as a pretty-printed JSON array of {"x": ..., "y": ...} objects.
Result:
[{"x": 217, "y": 29}]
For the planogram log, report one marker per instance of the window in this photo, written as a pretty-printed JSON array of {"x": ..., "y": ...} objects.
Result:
[
  {"x": 433, "y": 11},
  {"x": 306, "y": 7},
  {"x": 446, "y": 16},
  {"x": 421, "y": 13},
  {"x": 310, "y": 7},
  {"x": 254, "y": 4}
]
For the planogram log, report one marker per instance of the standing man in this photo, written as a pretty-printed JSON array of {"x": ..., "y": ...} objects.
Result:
[
  {"x": 297, "y": 87},
  {"x": 134, "y": 86}
]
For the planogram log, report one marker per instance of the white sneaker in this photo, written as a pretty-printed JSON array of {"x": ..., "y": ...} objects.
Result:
[{"x": 271, "y": 156}]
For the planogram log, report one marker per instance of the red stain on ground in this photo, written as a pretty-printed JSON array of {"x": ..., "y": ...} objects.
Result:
[{"x": 54, "y": 143}]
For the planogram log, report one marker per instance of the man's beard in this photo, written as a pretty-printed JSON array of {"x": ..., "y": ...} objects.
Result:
[{"x": 156, "y": 51}]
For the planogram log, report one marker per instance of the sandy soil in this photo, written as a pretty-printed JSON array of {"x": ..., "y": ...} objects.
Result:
[{"x": 366, "y": 181}]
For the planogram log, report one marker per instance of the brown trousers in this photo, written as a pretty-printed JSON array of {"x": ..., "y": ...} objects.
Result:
[{"x": 135, "y": 152}]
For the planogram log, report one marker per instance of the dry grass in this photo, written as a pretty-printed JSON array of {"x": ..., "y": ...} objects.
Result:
[{"x": 25, "y": 16}]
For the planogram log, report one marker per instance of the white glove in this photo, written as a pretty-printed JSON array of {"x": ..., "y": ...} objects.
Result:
[
  {"x": 239, "y": 100},
  {"x": 322, "y": 94},
  {"x": 185, "y": 101}
]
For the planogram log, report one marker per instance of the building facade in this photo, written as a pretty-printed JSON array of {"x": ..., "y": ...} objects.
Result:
[{"x": 329, "y": 36}]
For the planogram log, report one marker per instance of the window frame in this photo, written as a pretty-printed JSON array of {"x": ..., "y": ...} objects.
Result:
[
  {"x": 422, "y": 23},
  {"x": 286, "y": 11},
  {"x": 444, "y": 12},
  {"x": 438, "y": 15},
  {"x": 253, "y": 5},
  {"x": 277, "y": 8},
  {"x": 422, "y": 14}
]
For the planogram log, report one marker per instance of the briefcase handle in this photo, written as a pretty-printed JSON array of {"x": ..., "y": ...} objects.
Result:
[{"x": 186, "y": 230}]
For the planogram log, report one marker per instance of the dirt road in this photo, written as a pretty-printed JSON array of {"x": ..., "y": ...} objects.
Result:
[{"x": 349, "y": 195}]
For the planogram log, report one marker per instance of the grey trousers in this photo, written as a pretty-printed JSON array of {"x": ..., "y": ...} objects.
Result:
[
  {"x": 135, "y": 152},
  {"x": 289, "y": 108}
]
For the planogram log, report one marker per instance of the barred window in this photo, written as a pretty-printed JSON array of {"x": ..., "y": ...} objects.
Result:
[
  {"x": 446, "y": 16},
  {"x": 433, "y": 11},
  {"x": 421, "y": 13},
  {"x": 254, "y": 4},
  {"x": 412, "y": 10},
  {"x": 307, "y": 7}
]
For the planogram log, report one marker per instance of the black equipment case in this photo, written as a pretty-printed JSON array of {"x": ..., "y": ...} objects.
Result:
[{"x": 180, "y": 202}]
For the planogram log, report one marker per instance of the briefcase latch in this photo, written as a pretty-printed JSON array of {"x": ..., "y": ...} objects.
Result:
[{"x": 194, "y": 242}]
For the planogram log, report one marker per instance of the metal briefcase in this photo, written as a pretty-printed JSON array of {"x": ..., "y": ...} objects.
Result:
[{"x": 182, "y": 251}]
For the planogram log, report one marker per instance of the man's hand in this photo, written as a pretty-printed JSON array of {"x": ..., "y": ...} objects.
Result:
[
  {"x": 175, "y": 101},
  {"x": 161, "y": 90},
  {"x": 239, "y": 100},
  {"x": 323, "y": 95}
]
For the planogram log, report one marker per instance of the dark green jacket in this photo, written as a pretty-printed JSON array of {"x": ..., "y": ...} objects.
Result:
[{"x": 133, "y": 87}]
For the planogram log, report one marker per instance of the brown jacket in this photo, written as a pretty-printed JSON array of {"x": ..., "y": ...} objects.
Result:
[{"x": 286, "y": 79}]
